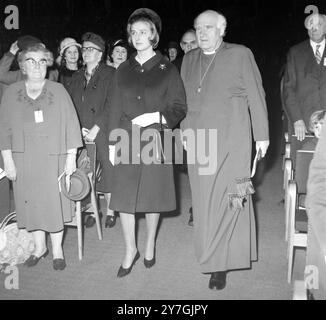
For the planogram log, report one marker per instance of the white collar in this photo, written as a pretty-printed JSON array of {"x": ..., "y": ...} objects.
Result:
[{"x": 321, "y": 48}]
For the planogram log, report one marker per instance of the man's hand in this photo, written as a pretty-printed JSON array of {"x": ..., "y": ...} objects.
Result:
[
  {"x": 14, "y": 48},
  {"x": 263, "y": 146},
  {"x": 70, "y": 168},
  {"x": 92, "y": 134},
  {"x": 300, "y": 130}
]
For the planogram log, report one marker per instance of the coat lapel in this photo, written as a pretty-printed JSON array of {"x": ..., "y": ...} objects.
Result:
[{"x": 311, "y": 65}]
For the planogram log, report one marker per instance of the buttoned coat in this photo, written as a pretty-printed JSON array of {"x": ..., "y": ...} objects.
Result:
[
  {"x": 304, "y": 86},
  {"x": 155, "y": 86},
  {"x": 92, "y": 103}
]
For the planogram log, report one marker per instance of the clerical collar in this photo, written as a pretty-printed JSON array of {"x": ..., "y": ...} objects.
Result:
[
  {"x": 209, "y": 52},
  {"x": 214, "y": 51}
]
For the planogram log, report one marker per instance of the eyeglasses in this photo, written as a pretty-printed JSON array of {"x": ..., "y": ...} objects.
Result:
[
  {"x": 90, "y": 49},
  {"x": 33, "y": 63}
]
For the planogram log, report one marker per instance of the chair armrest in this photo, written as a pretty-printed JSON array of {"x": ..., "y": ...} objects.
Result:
[{"x": 287, "y": 152}]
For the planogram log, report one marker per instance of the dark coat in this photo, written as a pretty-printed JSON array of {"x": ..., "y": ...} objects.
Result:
[
  {"x": 139, "y": 89},
  {"x": 304, "y": 83},
  {"x": 92, "y": 104}
]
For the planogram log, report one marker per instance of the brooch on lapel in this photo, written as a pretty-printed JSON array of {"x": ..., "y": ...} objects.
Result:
[{"x": 162, "y": 66}]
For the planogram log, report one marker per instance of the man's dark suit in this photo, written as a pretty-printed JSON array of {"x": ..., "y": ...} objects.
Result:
[{"x": 304, "y": 83}]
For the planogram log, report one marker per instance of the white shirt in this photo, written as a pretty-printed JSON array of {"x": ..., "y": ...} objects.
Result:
[{"x": 321, "y": 48}]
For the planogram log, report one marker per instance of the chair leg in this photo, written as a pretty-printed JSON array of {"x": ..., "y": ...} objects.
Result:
[
  {"x": 79, "y": 230},
  {"x": 290, "y": 259},
  {"x": 95, "y": 210}
]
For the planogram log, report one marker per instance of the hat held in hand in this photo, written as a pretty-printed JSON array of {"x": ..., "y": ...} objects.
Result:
[{"x": 79, "y": 186}]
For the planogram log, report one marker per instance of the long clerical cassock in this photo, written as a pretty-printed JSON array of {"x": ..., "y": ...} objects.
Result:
[{"x": 224, "y": 92}]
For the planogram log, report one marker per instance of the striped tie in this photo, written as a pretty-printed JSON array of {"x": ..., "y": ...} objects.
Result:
[{"x": 317, "y": 54}]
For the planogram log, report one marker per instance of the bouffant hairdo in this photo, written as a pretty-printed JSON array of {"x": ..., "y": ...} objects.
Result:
[
  {"x": 143, "y": 17},
  {"x": 36, "y": 48}
]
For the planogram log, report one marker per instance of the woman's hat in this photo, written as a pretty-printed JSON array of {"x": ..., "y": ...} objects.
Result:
[
  {"x": 66, "y": 43},
  {"x": 94, "y": 38},
  {"x": 147, "y": 14},
  {"x": 79, "y": 186},
  {"x": 24, "y": 42}
]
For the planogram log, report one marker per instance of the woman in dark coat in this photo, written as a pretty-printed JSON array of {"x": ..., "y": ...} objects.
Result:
[
  {"x": 39, "y": 137},
  {"x": 145, "y": 86},
  {"x": 90, "y": 92},
  {"x": 69, "y": 60}
]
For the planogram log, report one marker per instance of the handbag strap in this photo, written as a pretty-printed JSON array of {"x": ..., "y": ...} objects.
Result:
[{"x": 7, "y": 219}]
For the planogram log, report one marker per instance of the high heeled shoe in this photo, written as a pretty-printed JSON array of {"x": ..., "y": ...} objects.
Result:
[
  {"x": 217, "y": 280},
  {"x": 33, "y": 260},
  {"x": 149, "y": 263},
  {"x": 123, "y": 272}
]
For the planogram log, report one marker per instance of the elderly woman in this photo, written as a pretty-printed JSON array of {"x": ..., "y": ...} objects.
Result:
[
  {"x": 70, "y": 60},
  {"x": 90, "y": 91},
  {"x": 39, "y": 137},
  {"x": 145, "y": 86},
  {"x": 117, "y": 54}
]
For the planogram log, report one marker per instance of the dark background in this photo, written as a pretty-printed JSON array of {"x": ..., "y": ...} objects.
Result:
[
  {"x": 262, "y": 25},
  {"x": 268, "y": 28}
]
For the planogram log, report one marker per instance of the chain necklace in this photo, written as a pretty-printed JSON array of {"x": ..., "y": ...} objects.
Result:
[{"x": 201, "y": 78}]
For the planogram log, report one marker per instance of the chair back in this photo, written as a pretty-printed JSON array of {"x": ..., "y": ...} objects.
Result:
[
  {"x": 303, "y": 159},
  {"x": 297, "y": 145}
]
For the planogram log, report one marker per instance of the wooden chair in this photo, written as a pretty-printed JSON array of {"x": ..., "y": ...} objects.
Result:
[
  {"x": 297, "y": 220},
  {"x": 289, "y": 169},
  {"x": 88, "y": 205}
]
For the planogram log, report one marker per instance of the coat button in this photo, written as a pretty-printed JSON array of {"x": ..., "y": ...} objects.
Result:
[
  {"x": 93, "y": 110},
  {"x": 142, "y": 70},
  {"x": 139, "y": 97}
]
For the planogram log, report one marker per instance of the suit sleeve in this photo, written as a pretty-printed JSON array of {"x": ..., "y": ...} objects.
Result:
[
  {"x": 114, "y": 111},
  {"x": 316, "y": 192},
  {"x": 184, "y": 123},
  {"x": 5, "y": 121},
  {"x": 102, "y": 118},
  {"x": 6, "y": 76},
  {"x": 72, "y": 126},
  {"x": 289, "y": 90},
  {"x": 256, "y": 97},
  {"x": 176, "y": 108}
]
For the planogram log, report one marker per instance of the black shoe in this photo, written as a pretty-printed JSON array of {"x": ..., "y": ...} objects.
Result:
[
  {"x": 123, "y": 272},
  {"x": 217, "y": 280},
  {"x": 59, "y": 264},
  {"x": 33, "y": 260},
  {"x": 110, "y": 221},
  {"x": 191, "y": 218},
  {"x": 149, "y": 263},
  {"x": 90, "y": 221}
]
